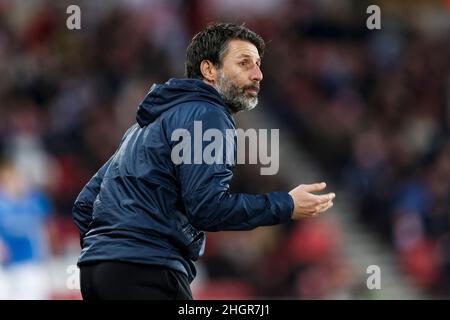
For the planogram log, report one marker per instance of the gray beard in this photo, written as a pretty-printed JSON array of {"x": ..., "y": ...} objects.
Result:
[{"x": 233, "y": 96}]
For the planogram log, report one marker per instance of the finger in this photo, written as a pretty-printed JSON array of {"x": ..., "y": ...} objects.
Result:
[
  {"x": 324, "y": 198},
  {"x": 316, "y": 212},
  {"x": 314, "y": 187},
  {"x": 321, "y": 207},
  {"x": 326, "y": 207}
]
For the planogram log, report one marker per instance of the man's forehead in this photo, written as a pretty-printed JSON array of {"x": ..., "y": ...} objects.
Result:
[{"x": 239, "y": 48}]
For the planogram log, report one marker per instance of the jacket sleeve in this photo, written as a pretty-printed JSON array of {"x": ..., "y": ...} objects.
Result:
[
  {"x": 82, "y": 208},
  {"x": 205, "y": 191}
]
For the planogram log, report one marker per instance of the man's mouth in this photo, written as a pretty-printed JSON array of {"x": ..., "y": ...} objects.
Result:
[{"x": 252, "y": 90}]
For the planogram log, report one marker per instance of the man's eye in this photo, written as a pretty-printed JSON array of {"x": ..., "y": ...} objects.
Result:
[{"x": 243, "y": 63}]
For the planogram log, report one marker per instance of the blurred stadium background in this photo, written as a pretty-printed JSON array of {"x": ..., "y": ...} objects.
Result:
[{"x": 366, "y": 110}]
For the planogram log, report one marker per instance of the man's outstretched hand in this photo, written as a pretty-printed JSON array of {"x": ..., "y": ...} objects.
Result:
[{"x": 307, "y": 204}]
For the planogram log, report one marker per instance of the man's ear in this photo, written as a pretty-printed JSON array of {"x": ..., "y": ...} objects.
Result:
[{"x": 209, "y": 71}]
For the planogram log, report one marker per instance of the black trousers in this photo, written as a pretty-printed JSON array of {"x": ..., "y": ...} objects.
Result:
[{"x": 116, "y": 280}]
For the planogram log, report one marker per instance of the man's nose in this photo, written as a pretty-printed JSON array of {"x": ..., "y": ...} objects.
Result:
[{"x": 256, "y": 74}]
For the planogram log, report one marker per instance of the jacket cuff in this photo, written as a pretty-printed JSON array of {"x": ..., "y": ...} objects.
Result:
[{"x": 281, "y": 205}]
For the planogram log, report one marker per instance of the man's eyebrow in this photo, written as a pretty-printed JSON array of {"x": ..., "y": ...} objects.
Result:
[{"x": 245, "y": 55}]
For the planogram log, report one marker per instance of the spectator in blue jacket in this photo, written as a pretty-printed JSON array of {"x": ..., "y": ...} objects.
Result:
[
  {"x": 143, "y": 216},
  {"x": 24, "y": 246}
]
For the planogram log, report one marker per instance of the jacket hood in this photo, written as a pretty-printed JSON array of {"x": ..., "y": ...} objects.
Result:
[{"x": 162, "y": 97}]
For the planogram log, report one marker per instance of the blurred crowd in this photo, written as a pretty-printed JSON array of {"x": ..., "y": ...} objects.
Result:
[{"x": 372, "y": 108}]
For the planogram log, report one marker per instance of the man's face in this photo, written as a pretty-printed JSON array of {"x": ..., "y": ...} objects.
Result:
[{"x": 239, "y": 76}]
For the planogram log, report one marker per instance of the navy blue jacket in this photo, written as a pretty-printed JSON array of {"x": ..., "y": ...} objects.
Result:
[{"x": 142, "y": 207}]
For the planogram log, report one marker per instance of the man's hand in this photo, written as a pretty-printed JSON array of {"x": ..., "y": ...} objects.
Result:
[{"x": 308, "y": 205}]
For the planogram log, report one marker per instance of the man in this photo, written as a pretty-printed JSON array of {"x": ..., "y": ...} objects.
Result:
[{"x": 143, "y": 217}]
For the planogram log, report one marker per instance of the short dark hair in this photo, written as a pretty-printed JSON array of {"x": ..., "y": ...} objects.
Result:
[{"x": 211, "y": 44}]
